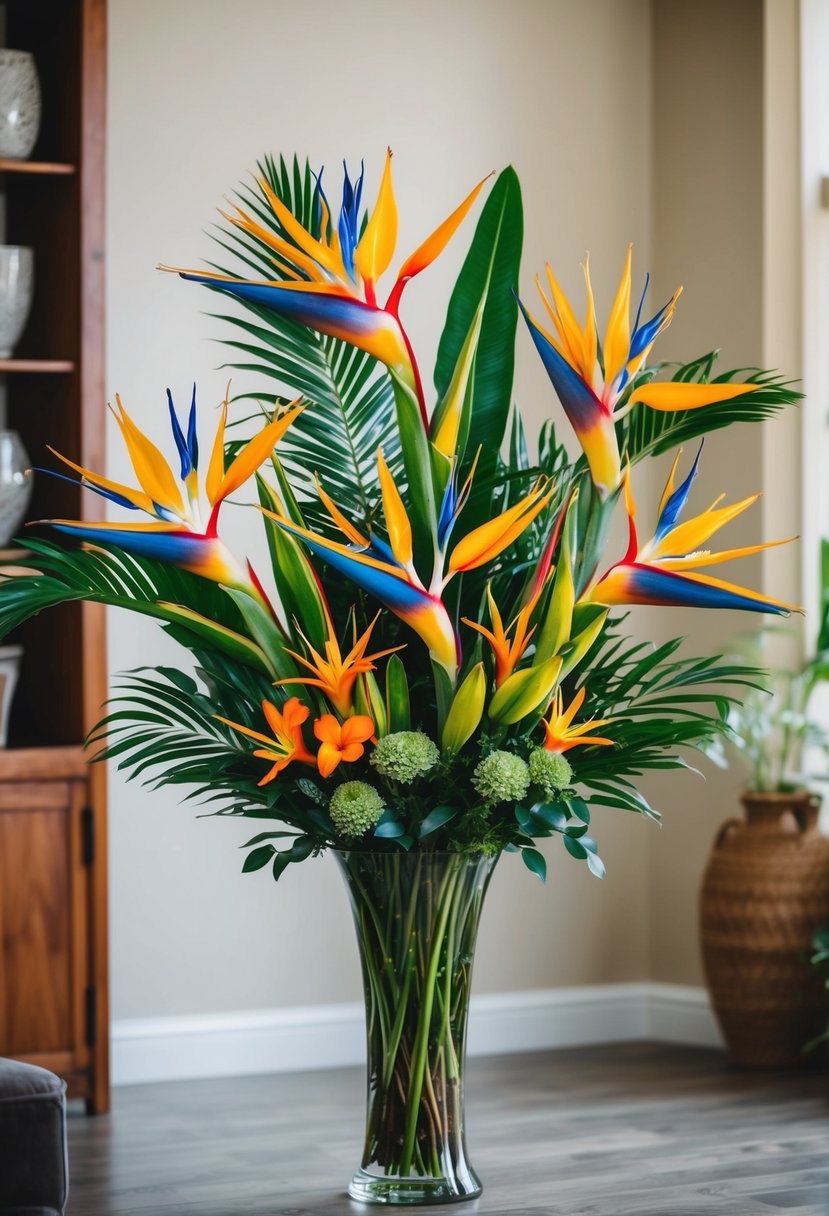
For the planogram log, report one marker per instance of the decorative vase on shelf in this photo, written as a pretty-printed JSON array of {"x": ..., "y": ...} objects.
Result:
[
  {"x": 17, "y": 272},
  {"x": 19, "y": 104},
  {"x": 15, "y": 484},
  {"x": 416, "y": 916},
  {"x": 10, "y": 657},
  {"x": 765, "y": 892}
]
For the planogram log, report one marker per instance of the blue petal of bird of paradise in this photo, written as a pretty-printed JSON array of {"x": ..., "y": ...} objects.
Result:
[
  {"x": 401, "y": 595},
  {"x": 175, "y": 548},
  {"x": 110, "y": 495},
  {"x": 188, "y": 448},
  {"x": 641, "y": 305},
  {"x": 381, "y": 551},
  {"x": 581, "y": 404},
  {"x": 448, "y": 510},
  {"x": 337, "y": 315},
  {"x": 649, "y": 585},
  {"x": 348, "y": 227},
  {"x": 674, "y": 506},
  {"x": 645, "y": 334},
  {"x": 319, "y": 206}
]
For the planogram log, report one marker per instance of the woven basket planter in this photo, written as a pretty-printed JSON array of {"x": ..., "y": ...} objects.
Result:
[{"x": 765, "y": 891}]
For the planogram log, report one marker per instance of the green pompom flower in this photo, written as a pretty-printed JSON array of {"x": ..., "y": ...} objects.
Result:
[
  {"x": 404, "y": 755},
  {"x": 501, "y": 777},
  {"x": 355, "y": 807},
  {"x": 550, "y": 770}
]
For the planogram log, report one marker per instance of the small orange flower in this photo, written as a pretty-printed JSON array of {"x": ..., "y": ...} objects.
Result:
[
  {"x": 287, "y": 744},
  {"x": 561, "y": 735},
  {"x": 507, "y": 650},
  {"x": 335, "y": 675},
  {"x": 341, "y": 741}
]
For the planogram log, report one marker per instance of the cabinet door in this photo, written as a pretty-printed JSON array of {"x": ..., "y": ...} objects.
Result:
[{"x": 44, "y": 931}]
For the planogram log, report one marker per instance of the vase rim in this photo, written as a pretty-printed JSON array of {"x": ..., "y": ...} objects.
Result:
[
  {"x": 414, "y": 853},
  {"x": 8, "y": 52},
  {"x": 777, "y": 796}
]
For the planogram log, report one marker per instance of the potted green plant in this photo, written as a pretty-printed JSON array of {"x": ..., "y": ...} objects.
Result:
[{"x": 766, "y": 886}]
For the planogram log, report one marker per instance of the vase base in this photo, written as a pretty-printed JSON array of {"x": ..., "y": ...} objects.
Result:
[{"x": 413, "y": 1191}]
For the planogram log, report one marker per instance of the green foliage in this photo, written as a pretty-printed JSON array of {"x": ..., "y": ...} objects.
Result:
[
  {"x": 105, "y": 575},
  {"x": 659, "y": 704},
  {"x": 646, "y": 432},
  {"x": 491, "y": 267}
]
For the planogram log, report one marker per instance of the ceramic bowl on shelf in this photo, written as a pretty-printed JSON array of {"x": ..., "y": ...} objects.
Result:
[
  {"x": 10, "y": 657},
  {"x": 19, "y": 104},
  {"x": 17, "y": 278},
  {"x": 15, "y": 484}
]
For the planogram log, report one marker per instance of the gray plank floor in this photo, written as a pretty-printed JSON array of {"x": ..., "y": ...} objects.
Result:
[{"x": 626, "y": 1130}]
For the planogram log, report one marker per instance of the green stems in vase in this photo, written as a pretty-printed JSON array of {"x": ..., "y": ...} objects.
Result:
[{"x": 416, "y": 917}]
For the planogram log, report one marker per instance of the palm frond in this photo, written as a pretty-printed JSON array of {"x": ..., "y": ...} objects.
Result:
[
  {"x": 658, "y": 705},
  {"x": 648, "y": 432},
  {"x": 104, "y": 575}
]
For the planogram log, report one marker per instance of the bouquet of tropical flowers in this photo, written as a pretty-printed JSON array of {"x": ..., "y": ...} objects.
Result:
[{"x": 432, "y": 671}]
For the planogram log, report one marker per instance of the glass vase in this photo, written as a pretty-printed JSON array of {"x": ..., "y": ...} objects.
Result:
[{"x": 416, "y": 916}]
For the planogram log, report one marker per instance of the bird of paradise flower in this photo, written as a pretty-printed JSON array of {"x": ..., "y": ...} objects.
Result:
[
  {"x": 663, "y": 570},
  {"x": 328, "y": 275},
  {"x": 178, "y": 533},
  {"x": 593, "y": 381},
  {"x": 386, "y": 568}
]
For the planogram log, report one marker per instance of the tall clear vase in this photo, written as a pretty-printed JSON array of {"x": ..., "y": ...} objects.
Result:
[{"x": 416, "y": 916}]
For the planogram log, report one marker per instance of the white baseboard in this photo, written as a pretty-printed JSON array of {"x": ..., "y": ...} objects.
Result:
[
  {"x": 331, "y": 1036},
  {"x": 679, "y": 1013}
]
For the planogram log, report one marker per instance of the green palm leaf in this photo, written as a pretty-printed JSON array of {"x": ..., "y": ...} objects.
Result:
[
  {"x": 110, "y": 576},
  {"x": 657, "y": 704},
  {"x": 648, "y": 432}
]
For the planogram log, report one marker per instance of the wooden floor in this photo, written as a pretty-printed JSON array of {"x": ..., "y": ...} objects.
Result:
[{"x": 632, "y": 1130}]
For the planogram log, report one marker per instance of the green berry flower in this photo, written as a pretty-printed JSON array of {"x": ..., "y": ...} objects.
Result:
[
  {"x": 501, "y": 777},
  {"x": 404, "y": 755},
  {"x": 355, "y": 807},
  {"x": 550, "y": 770}
]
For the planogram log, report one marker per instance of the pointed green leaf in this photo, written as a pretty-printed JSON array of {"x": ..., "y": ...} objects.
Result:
[
  {"x": 227, "y": 640},
  {"x": 465, "y": 712},
  {"x": 398, "y": 711},
  {"x": 437, "y": 818},
  {"x": 450, "y": 422},
  {"x": 258, "y": 858},
  {"x": 296, "y": 583},
  {"x": 535, "y": 862},
  {"x": 524, "y": 692},
  {"x": 265, "y": 631},
  {"x": 495, "y": 253}
]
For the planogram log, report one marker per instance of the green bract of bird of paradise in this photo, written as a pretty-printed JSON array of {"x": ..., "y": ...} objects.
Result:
[{"x": 434, "y": 659}]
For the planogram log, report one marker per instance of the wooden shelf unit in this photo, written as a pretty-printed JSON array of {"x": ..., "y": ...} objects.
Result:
[
  {"x": 36, "y": 168},
  {"x": 49, "y": 366},
  {"x": 53, "y": 882}
]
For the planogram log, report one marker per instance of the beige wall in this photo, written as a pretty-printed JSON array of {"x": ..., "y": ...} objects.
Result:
[
  {"x": 673, "y": 124},
  {"x": 198, "y": 90},
  {"x": 725, "y": 204}
]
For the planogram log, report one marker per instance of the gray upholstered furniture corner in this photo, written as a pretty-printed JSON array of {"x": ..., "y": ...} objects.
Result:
[{"x": 34, "y": 1177}]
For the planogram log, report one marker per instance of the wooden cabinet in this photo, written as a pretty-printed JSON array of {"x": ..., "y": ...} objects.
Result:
[
  {"x": 53, "y": 920},
  {"x": 46, "y": 983}
]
